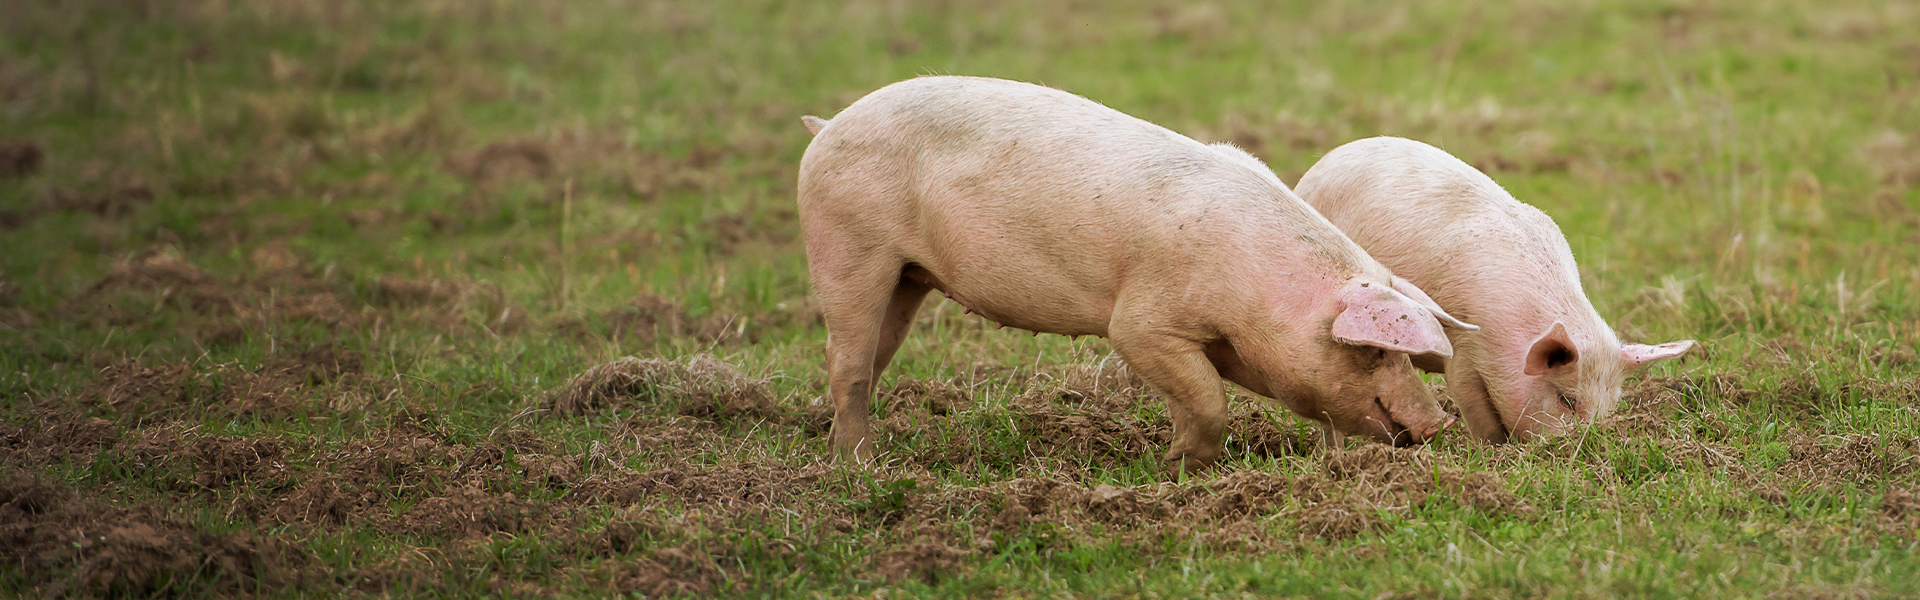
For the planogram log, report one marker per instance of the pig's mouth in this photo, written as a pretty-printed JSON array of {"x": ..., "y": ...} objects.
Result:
[{"x": 1397, "y": 433}]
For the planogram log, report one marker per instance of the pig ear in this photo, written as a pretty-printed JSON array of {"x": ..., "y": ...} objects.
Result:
[
  {"x": 1641, "y": 354},
  {"x": 1383, "y": 318},
  {"x": 1406, "y": 287},
  {"x": 1551, "y": 351}
]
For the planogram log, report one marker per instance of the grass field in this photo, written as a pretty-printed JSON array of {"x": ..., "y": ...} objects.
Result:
[{"x": 505, "y": 298}]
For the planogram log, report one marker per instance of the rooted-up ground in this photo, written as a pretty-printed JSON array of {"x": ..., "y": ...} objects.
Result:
[{"x": 507, "y": 299}]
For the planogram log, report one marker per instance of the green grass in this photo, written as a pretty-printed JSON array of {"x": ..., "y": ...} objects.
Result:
[{"x": 1739, "y": 173}]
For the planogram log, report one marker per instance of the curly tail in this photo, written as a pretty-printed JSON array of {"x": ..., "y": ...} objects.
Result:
[{"x": 814, "y": 124}]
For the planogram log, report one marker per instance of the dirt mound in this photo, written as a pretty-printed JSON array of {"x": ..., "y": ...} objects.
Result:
[
  {"x": 73, "y": 545},
  {"x": 938, "y": 398},
  {"x": 175, "y": 391},
  {"x": 19, "y": 158},
  {"x": 675, "y": 572},
  {"x": 57, "y": 434},
  {"x": 1857, "y": 460},
  {"x": 1091, "y": 423},
  {"x": 166, "y": 272},
  {"x": 224, "y": 461},
  {"x": 469, "y": 510},
  {"x": 504, "y": 161},
  {"x": 925, "y": 562},
  {"x": 698, "y": 386},
  {"x": 134, "y": 389}
]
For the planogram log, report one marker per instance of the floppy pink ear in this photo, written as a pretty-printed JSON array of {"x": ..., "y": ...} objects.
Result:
[
  {"x": 1641, "y": 354},
  {"x": 1376, "y": 316},
  {"x": 1551, "y": 351}
]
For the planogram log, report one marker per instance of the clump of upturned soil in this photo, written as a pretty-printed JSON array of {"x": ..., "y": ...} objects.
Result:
[
  {"x": 1858, "y": 459},
  {"x": 56, "y": 434},
  {"x": 699, "y": 386},
  {"x": 939, "y": 398},
  {"x": 469, "y": 510},
  {"x": 674, "y": 572},
  {"x": 926, "y": 562},
  {"x": 175, "y": 391},
  {"x": 67, "y": 544},
  {"x": 223, "y": 461},
  {"x": 504, "y": 161}
]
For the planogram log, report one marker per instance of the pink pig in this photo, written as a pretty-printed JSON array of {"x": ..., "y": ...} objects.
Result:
[
  {"x": 1044, "y": 211},
  {"x": 1544, "y": 359}
]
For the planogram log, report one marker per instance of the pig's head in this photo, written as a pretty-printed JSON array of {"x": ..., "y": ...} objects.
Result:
[
  {"x": 1567, "y": 379},
  {"x": 1368, "y": 385}
]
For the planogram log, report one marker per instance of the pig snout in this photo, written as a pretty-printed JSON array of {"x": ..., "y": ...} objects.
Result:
[{"x": 1412, "y": 423}]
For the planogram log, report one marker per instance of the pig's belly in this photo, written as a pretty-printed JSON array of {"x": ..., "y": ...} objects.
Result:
[{"x": 1022, "y": 298}]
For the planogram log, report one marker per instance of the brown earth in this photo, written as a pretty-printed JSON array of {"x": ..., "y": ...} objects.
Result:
[
  {"x": 70, "y": 544},
  {"x": 675, "y": 528}
]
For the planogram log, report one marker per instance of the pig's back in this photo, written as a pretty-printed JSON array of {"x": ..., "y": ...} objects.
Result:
[{"x": 1445, "y": 226}]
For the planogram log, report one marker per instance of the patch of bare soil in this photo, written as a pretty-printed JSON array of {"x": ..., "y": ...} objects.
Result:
[
  {"x": 225, "y": 461},
  {"x": 19, "y": 158},
  {"x": 504, "y": 161},
  {"x": 282, "y": 288},
  {"x": 56, "y": 435},
  {"x": 1858, "y": 459},
  {"x": 176, "y": 391},
  {"x": 1084, "y": 413},
  {"x": 1900, "y": 510},
  {"x": 698, "y": 386},
  {"x": 675, "y": 572},
  {"x": 1353, "y": 494},
  {"x": 926, "y": 562},
  {"x": 469, "y": 510},
  {"x": 69, "y": 544}
]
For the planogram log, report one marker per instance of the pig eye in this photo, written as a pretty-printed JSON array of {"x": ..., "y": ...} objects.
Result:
[{"x": 1569, "y": 401}]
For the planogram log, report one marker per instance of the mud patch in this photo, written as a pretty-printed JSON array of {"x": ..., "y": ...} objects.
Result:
[{"x": 698, "y": 386}]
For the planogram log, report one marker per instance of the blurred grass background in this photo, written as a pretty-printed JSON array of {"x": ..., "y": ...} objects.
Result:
[{"x": 480, "y": 200}]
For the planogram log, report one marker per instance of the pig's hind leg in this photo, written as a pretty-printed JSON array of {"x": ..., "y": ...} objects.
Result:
[{"x": 867, "y": 316}]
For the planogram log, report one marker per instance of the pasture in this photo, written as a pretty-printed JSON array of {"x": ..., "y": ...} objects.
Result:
[{"x": 506, "y": 298}]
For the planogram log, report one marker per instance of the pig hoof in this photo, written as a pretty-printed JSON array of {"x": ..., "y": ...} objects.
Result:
[{"x": 1186, "y": 463}]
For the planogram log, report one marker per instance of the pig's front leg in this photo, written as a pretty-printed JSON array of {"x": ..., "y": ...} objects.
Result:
[
  {"x": 1470, "y": 397},
  {"x": 1196, "y": 398}
]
